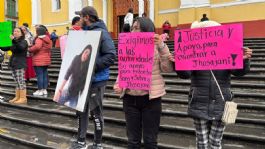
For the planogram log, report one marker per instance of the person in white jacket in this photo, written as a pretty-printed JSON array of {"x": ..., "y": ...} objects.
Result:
[{"x": 128, "y": 21}]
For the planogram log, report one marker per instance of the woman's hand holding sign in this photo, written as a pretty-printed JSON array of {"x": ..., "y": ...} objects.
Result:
[
  {"x": 159, "y": 42},
  {"x": 247, "y": 53},
  {"x": 117, "y": 89}
]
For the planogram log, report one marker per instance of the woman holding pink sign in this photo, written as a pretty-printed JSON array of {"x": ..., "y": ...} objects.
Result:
[
  {"x": 143, "y": 107},
  {"x": 209, "y": 91}
]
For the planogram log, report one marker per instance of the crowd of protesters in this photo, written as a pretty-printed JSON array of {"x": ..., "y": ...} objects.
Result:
[{"x": 142, "y": 108}]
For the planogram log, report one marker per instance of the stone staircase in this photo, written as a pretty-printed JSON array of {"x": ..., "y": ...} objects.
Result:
[{"x": 43, "y": 123}]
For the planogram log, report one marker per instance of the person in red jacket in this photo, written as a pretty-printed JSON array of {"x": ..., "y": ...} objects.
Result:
[{"x": 41, "y": 51}]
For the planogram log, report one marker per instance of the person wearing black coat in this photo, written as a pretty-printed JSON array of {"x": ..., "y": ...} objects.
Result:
[
  {"x": 18, "y": 64},
  {"x": 205, "y": 102}
]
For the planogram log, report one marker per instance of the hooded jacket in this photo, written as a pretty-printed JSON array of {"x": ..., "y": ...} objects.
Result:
[
  {"x": 106, "y": 54},
  {"x": 41, "y": 51}
]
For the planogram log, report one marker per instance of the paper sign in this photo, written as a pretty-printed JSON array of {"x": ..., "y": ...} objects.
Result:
[
  {"x": 63, "y": 40},
  {"x": 136, "y": 56},
  {"x": 209, "y": 48},
  {"x": 5, "y": 32}
]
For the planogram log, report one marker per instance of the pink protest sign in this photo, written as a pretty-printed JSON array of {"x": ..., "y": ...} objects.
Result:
[
  {"x": 209, "y": 48},
  {"x": 63, "y": 40},
  {"x": 136, "y": 56}
]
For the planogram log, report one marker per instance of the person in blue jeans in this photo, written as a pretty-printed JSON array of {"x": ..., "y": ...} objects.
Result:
[
  {"x": 76, "y": 74},
  {"x": 41, "y": 58}
]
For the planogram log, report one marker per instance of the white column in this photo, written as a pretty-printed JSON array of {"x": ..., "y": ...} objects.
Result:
[
  {"x": 105, "y": 11},
  {"x": 74, "y": 5},
  {"x": 152, "y": 10},
  {"x": 141, "y": 7},
  {"x": 90, "y": 2},
  {"x": 36, "y": 12}
]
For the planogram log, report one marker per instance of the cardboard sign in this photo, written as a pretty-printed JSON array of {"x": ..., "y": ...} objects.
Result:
[
  {"x": 209, "y": 48},
  {"x": 136, "y": 56},
  {"x": 5, "y": 32},
  {"x": 63, "y": 40},
  {"x": 77, "y": 69}
]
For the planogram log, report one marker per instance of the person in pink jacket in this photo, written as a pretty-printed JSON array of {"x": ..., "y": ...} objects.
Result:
[
  {"x": 143, "y": 107},
  {"x": 41, "y": 51}
]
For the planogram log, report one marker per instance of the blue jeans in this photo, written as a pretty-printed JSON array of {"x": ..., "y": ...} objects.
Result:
[{"x": 42, "y": 76}]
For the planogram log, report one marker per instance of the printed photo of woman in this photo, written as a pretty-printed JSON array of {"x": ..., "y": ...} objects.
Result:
[{"x": 76, "y": 78}]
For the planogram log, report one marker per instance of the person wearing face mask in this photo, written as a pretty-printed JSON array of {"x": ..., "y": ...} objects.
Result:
[
  {"x": 77, "y": 77},
  {"x": 18, "y": 64},
  {"x": 143, "y": 107}
]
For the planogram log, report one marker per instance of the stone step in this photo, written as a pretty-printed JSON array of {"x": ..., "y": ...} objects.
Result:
[
  {"x": 7, "y": 142},
  {"x": 254, "y": 79},
  {"x": 238, "y": 93},
  {"x": 249, "y": 113},
  {"x": 44, "y": 130},
  {"x": 117, "y": 128}
]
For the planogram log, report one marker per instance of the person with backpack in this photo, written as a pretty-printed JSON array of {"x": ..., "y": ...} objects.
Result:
[{"x": 54, "y": 37}]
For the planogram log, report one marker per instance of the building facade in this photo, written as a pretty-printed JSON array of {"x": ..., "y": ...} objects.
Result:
[
  {"x": 57, "y": 14},
  {"x": 16, "y": 11}
]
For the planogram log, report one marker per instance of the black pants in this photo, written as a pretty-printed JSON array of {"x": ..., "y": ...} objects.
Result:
[
  {"x": 95, "y": 94},
  {"x": 142, "y": 117}
]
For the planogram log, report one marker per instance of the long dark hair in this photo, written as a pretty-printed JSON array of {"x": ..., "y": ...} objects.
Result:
[
  {"x": 146, "y": 24},
  {"x": 22, "y": 33},
  {"x": 84, "y": 67}
]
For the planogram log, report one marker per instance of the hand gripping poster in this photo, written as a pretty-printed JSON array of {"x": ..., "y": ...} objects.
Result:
[{"x": 77, "y": 68}]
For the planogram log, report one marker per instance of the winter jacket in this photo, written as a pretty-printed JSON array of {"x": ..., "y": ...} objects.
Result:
[
  {"x": 41, "y": 51},
  {"x": 161, "y": 64},
  {"x": 106, "y": 54},
  {"x": 205, "y": 101},
  {"x": 19, "y": 53}
]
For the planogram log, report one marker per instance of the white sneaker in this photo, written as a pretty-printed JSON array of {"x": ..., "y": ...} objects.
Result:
[
  {"x": 44, "y": 91},
  {"x": 38, "y": 93}
]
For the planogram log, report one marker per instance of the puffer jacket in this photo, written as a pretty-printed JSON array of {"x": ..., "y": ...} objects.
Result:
[
  {"x": 19, "y": 52},
  {"x": 161, "y": 64},
  {"x": 205, "y": 101},
  {"x": 41, "y": 51},
  {"x": 106, "y": 54}
]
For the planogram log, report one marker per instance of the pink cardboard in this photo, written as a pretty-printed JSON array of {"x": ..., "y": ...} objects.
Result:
[
  {"x": 209, "y": 48},
  {"x": 63, "y": 40},
  {"x": 136, "y": 56}
]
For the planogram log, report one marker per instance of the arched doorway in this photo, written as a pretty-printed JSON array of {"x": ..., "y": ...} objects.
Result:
[{"x": 120, "y": 8}]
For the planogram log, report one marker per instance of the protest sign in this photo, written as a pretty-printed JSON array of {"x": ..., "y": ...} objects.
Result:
[
  {"x": 136, "y": 56},
  {"x": 209, "y": 48},
  {"x": 77, "y": 68},
  {"x": 5, "y": 32}
]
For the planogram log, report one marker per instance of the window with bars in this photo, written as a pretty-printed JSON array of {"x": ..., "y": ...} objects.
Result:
[{"x": 11, "y": 8}]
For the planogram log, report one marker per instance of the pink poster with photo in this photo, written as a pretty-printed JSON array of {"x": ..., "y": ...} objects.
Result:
[
  {"x": 135, "y": 58},
  {"x": 210, "y": 48}
]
